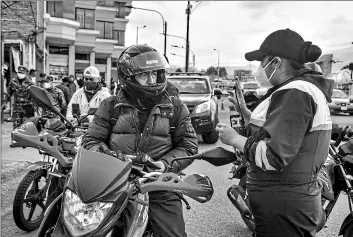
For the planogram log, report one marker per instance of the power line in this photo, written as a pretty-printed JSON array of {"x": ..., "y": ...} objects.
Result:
[{"x": 198, "y": 4}]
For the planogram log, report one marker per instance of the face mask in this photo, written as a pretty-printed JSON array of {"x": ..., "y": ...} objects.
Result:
[
  {"x": 21, "y": 75},
  {"x": 261, "y": 77},
  {"x": 47, "y": 85},
  {"x": 91, "y": 85}
]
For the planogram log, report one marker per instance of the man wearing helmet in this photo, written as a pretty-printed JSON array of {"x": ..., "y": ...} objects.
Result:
[
  {"x": 145, "y": 123},
  {"x": 89, "y": 96}
]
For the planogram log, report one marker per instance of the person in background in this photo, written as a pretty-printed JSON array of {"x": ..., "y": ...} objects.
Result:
[
  {"x": 41, "y": 77},
  {"x": 80, "y": 82},
  {"x": 63, "y": 87},
  {"x": 32, "y": 75},
  {"x": 90, "y": 96},
  {"x": 71, "y": 85},
  {"x": 23, "y": 106},
  {"x": 58, "y": 96},
  {"x": 103, "y": 82}
]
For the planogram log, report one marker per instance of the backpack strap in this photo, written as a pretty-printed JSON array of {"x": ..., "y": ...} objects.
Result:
[
  {"x": 176, "y": 110},
  {"x": 116, "y": 113}
]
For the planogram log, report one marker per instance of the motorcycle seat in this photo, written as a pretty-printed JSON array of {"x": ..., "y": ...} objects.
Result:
[{"x": 348, "y": 158}]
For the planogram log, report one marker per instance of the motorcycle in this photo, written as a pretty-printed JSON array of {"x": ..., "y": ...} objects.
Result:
[
  {"x": 51, "y": 169},
  {"x": 335, "y": 177},
  {"x": 108, "y": 196}
]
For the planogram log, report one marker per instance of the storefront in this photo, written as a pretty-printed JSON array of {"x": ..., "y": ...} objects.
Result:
[{"x": 58, "y": 61}]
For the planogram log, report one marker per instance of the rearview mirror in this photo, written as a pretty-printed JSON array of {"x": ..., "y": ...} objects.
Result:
[
  {"x": 217, "y": 92},
  {"x": 43, "y": 98},
  {"x": 218, "y": 156}
]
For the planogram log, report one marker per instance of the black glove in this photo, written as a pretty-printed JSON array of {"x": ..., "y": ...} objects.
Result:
[{"x": 103, "y": 148}]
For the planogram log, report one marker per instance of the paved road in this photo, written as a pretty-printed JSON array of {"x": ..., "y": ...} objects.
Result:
[{"x": 215, "y": 218}]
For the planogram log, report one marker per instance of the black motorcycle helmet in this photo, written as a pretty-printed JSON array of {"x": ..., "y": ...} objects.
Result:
[{"x": 138, "y": 59}]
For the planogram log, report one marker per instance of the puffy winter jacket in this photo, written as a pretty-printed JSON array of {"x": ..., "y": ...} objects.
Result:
[
  {"x": 80, "y": 98},
  {"x": 289, "y": 135},
  {"x": 157, "y": 140}
]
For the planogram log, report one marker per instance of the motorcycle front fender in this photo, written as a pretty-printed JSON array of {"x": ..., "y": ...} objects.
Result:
[
  {"x": 346, "y": 223},
  {"x": 51, "y": 216},
  {"x": 39, "y": 165}
]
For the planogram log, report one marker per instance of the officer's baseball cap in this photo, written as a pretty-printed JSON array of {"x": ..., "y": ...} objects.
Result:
[
  {"x": 22, "y": 69},
  {"x": 286, "y": 44},
  {"x": 92, "y": 72}
]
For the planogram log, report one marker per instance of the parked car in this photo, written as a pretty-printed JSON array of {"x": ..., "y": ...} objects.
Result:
[
  {"x": 197, "y": 93},
  {"x": 340, "y": 102}
]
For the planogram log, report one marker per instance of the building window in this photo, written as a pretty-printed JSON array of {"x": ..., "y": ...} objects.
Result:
[
  {"x": 82, "y": 56},
  {"x": 58, "y": 50},
  {"x": 120, "y": 36},
  {"x": 105, "y": 29},
  {"x": 121, "y": 9},
  {"x": 55, "y": 8},
  {"x": 105, "y": 3},
  {"x": 85, "y": 17},
  {"x": 100, "y": 61}
]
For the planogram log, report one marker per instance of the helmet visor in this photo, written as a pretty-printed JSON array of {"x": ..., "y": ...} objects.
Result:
[{"x": 144, "y": 62}]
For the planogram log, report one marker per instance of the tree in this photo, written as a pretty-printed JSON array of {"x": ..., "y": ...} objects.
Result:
[
  {"x": 223, "y": 72},
  {"x": 178, "y": 70},
  {"x": 213, "y": 71}
]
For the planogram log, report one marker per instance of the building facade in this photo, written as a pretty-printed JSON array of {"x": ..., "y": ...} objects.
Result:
[
  {"x": 79, "y": 34},
  {"x": 18, "y": 34}
]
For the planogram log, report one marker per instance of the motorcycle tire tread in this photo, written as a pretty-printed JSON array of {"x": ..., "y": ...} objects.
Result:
[{"x": 18, "y": 201}]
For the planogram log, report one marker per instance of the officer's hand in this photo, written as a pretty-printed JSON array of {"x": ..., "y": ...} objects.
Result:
[{"x": 227, "y": 134}]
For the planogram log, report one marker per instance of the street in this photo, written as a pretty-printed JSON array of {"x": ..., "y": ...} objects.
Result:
[{"x": 218, "y": 217}]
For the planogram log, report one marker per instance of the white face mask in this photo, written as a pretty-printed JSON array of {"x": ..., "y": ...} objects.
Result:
[
  {"x": 261, "y": 77},
  {"x": 47, "y": 85},
  {"x": 21, "y": 75}
]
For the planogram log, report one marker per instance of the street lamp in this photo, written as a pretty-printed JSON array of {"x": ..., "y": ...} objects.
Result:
[
  {"x": 218, "y": 63},
  {"x": 164, "y": 25},
  {"x": 137, "y": 33},
  {"x": 193, "y": 55}
]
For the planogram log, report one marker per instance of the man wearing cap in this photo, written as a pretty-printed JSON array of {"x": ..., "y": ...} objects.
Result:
[
  {"x": 23, "y": 106},
  {"x": 58, "y": 96},
  {"x": 287, "y": 137},
  {"x": 89, "y": 96}
]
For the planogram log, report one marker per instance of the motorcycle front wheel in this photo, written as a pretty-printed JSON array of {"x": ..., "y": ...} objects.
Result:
[
  {"x": 30, "y": 194},
  {"x": 249, "y": 221}
]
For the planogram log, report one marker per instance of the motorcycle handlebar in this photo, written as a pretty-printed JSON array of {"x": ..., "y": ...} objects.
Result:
[{"x": 45, "y": 142}]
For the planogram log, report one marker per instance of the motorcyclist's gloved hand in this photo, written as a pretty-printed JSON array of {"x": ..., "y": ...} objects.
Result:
[
  {"x": 143, "y": 158},
  {"x": 103, "y": 148},
  {"x": 84, "y": 119}
]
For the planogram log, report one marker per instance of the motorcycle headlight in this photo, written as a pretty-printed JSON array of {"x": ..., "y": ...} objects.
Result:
[
  {"x": 81, "y": 218},
  {"x": 203, "y": 107}
]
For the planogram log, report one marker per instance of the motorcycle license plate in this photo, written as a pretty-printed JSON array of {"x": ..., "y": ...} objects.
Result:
[{"x": 344, "y": 108}]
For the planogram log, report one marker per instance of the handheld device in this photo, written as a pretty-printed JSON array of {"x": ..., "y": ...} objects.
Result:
[{"x": 242, "y": 121}]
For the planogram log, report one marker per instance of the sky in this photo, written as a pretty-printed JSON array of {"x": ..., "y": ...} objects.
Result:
[{"x": 237, "y": 27}]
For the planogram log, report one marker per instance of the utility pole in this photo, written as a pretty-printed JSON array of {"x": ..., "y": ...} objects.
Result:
[
  {"x": 137, "y": 34},
  {"x": 187, "y": 36},
  {"x": 165, "y": 38}
]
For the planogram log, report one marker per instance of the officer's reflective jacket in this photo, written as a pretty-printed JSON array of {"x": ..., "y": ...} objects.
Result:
[{"x": 289, "y": 134}]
